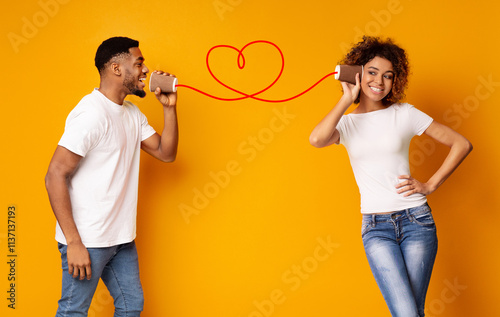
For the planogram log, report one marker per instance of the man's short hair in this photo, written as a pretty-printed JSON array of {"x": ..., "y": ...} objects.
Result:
[{"x": 111, "y": 48}]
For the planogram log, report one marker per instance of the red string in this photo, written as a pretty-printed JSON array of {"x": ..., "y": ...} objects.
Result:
[{"x": 241, "y": 65}]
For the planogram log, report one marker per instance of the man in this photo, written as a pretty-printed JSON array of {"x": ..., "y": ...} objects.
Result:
[{"x": 92, "y": 181}]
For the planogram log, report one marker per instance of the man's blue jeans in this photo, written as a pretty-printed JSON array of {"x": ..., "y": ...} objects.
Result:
[
  {"x": 118, "y": 267},
  {"x": 401, "y": 248}
]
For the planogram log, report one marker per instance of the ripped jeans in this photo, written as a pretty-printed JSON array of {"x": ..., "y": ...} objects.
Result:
[{"x": 401, "y": 248}]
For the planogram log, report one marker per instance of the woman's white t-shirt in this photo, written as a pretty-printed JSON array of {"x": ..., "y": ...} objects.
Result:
[{"x": 378, "y": 146}]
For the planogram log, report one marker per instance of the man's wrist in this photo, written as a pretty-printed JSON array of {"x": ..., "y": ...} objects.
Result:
[
  {"x": 74, "y": 241},
  {"x": 169, "y": 106}
]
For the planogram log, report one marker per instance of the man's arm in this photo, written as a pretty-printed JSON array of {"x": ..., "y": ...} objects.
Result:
[
  {"x": 61, "y": 168},
  {"x": 164, "y": 147}
]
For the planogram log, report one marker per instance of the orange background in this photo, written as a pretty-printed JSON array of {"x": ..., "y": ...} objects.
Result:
[{"x": 274, "y": 226}]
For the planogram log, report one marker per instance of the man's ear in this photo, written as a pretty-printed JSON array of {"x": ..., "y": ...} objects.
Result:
[{"x": 115, "y": 69}]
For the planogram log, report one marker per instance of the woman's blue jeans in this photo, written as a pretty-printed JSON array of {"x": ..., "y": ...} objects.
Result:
[
  {"x": 118, "y": 267},
  {"x": 401, "y": 248}
]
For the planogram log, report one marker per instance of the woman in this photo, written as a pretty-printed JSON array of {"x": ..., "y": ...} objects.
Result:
[{"x": 398, "y": 231}]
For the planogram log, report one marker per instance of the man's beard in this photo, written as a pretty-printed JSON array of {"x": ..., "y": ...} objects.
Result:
[
  {"x": 139, "y": 92},
  {"x": 130, "y": 83}
]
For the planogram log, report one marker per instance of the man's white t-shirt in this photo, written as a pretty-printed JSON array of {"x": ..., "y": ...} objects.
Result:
[
  {"x": 378, "y": 144},
  {"x": 104, "y": 188}
]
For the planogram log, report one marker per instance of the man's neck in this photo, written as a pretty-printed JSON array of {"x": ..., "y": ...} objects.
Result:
[{"x": 112, "y": 93}]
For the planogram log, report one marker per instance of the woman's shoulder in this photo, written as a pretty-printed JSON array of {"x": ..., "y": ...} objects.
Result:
[{"x": 402, "y": 106}]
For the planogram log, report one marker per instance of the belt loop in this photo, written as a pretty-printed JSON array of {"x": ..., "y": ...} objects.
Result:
[
  {"x": 408, "y": 214},
  {"x": 374, "y": 220}
]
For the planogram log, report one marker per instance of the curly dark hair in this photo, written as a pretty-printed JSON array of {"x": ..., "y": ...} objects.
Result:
[
  {"x": 111, "y": 48},
  {"x": 364, "y": 51}
]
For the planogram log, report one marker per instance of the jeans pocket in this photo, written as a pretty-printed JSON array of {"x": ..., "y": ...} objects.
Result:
[
  {"x": 424, "y": 219},
  {"x": 63, "y": 249},
  {"x": 365, "y": 227}
]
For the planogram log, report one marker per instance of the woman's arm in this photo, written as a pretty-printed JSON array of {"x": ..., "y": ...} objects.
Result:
[
  {"x": 326, "y": 133},
  {"x": 460, "y": 147}
]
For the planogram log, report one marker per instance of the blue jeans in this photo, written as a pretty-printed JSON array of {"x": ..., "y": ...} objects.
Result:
[
  {"x": 401, "y": 248},
  {"x": 118, "y": 267}
]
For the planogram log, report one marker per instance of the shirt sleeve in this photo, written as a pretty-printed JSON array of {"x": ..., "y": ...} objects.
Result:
[
  {"x": 82, "y": 131},
  {"x": 341, "y": 128},
  {"x": 420, "y": 121},
  {"x": 146, "y": 129}
]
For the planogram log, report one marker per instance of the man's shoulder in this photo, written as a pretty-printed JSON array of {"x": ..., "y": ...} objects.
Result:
[
  {"x": 91, "y": 99},
  {"x": 131, "y": 106},
  {"x": 90, "y": 103},
  {"x": 133, "y": 109},
  {"x": 89, "y": 109}
]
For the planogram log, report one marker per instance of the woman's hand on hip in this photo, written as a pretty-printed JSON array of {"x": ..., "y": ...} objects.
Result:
[{"x": 410, "y": 186}]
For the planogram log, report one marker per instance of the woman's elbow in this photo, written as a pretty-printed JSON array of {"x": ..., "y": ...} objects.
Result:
[
  {"x": 315, "y": 141},
  {"x": 321, "y": 142},
  {"x": 168, "y": 158},
  {"x": 468, "y": 146},
  {"x": 465, "y": 146}
]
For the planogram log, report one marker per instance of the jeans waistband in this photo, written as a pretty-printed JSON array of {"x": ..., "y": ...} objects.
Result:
[{"x": 414, "y": 211}]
